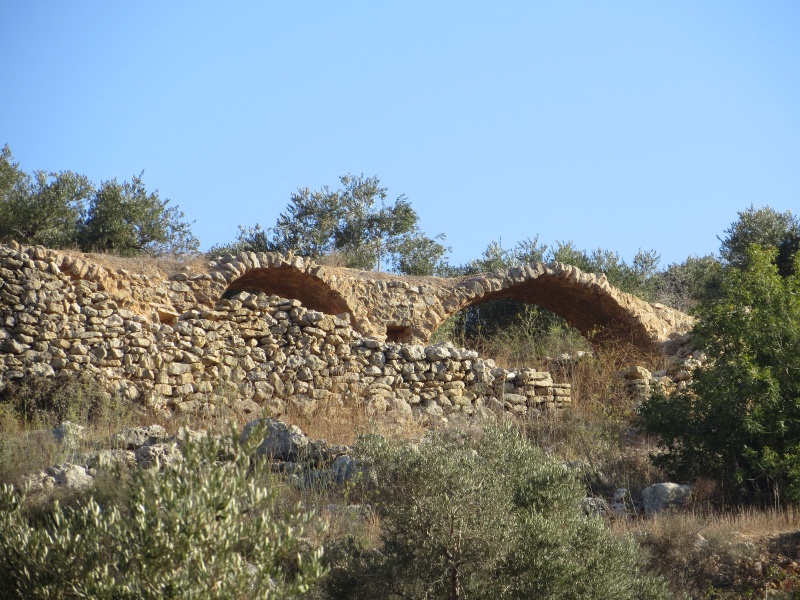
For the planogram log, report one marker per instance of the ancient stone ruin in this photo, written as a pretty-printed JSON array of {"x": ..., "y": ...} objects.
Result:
[
  {"x": 259, "y": 330},
  {"x": 410, "y": 309}
]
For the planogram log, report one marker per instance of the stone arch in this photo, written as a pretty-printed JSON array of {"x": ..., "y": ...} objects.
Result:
[
  {"x": 596, "y": 321},
  {"x": 290, "y": 282},
  {"x": 410, "y": 309},
  {"x": 598, "y": 310}
]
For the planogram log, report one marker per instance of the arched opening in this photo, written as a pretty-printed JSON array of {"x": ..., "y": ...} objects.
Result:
[
  {"x": 288, "y": 282},
  {"x": 513, "y": 332},
  {"x": 596, "y": 314}
]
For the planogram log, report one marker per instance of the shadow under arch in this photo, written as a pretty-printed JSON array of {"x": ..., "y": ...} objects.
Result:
[
  {"x": 289, "y": 282},
  {"x": 598, "y": 316}
]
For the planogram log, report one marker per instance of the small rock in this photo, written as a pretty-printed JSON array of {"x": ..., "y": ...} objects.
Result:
[
  {"x": 622, "y": 501},
  {"x": 281, "y": 441},
  {"x": 595, "y": 507},
  {"x": 663, "y": 496},
  {"x": 136, "y": 437},
  {"x": 66, "y": 475},
  {"x": 637, "y": 373},
  {"x": 156, "y": 454},
  {"x": 344, "y": 469},
  {"x": 69, "y": 433}
]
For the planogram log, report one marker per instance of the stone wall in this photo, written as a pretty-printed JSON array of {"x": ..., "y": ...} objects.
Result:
[
  {"x": 383, "y": 306},
  {"x": 411, "y": 308},
  {"x": 168, "y": 342}
]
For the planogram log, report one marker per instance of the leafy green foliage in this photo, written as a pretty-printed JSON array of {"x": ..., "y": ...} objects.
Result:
[
  {"x": 199, "y": 528},
  {"x": 685, "y": 284},
  {"x": 637, "y": 278},
  {"x": 61, "y": 210},
  {"x": 765, "y": 227},
  {"x": 126, "y": 219},
  {"x": 489, "y": 319},
  {"x": 486, "y": 518},
  {"x": 740, "y": 421},
  {"x": 354, "y": 221},
  {"x": 44, "y": 208},
  {"x": 48, "y": 401}
]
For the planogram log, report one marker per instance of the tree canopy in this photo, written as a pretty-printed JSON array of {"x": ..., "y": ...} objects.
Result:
[
  {"x": 355, "y": 223},
  {"x": 765, "y": 227},
  {"x": 488, "y": 518},
  {"x": 65, "y": 209},
  {"x": 126, "y": 219}
]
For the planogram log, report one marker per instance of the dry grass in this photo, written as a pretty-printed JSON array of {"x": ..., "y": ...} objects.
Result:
[
  {"x": 746, "y": 553},
  {"x": 340, "y": 420},
  {"x": 158, "y": 266}
]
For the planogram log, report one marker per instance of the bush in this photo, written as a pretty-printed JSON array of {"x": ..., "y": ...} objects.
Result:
[
  {"x": 740, "y": 420},
  {"x": 765, "y": 227},
  {"x": 47, "y": 401},
  {"x": 199, "y": 528},
  {"x": 486, "y": 518}
]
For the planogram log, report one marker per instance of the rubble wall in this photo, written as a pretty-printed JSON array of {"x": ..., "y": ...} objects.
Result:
[{"x": 189, "y": 343}]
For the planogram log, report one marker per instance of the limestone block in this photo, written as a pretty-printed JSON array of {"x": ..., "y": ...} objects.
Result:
[
  {"x": 66, "y": 475},
  {"x": 176, "y": 369},
  {"x": 515, "y": 399},
  {"x": 637, "y": 372},
  {"x": 135, "y": 437},
  {"x": 157, "y": 455},
  {"x": 14, "y": 347},
  {"x": 662, "y": 496}
]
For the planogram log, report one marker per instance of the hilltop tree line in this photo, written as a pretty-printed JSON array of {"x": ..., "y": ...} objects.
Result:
[{"x": 356, "y": 226}]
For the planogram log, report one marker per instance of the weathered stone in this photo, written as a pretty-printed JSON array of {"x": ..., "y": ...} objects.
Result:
[
  {"x": 136, "y": 437},
  {"x": 159, "y": 454},
  {"x": 663, "y": 496},
  {"x": 280, "y": 441},
  {"x": 69, "y": 434},
  {"x": 65, "y": 475},
  {"x": 637, "y": 373},
  {"x": 204, "y": 357},
  {"x": 344, "y": 469}
]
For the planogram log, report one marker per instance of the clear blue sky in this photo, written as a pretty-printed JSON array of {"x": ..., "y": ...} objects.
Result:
[{"x": 620, "y": 125}]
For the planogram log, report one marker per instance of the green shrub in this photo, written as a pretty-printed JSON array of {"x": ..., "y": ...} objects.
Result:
[
  {"x": 486, "y": 518},
  {"x": 198, "y": 528},
  {"x": 48, "y": 401},
  {"x": 740, "y": 421}
]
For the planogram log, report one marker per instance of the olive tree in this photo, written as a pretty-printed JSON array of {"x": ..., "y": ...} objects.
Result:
[
  {"x": 355, "y": 222},
  {"x": 488, "y": 518},
  {"x": 127, "y": 219},
  {"x": 206, "y": 526},
  {"x": 765, "y": 227},
  {"x": 42, "y": 208},
  {"x": 65, "y": 209}
]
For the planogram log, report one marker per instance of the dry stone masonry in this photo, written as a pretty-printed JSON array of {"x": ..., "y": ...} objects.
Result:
[
  {"x": 410, "y": 309},
  {"x": 192, "y": 342}
]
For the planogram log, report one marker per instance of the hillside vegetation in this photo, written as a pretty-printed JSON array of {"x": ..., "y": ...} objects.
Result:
[{"x": 550, "y": 506}]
